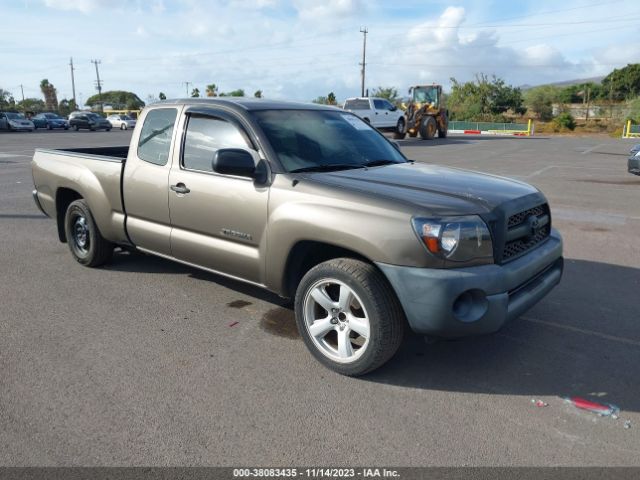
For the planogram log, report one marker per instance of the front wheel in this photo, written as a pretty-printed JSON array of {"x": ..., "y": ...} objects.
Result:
[
  {"x": 401, "y": 129},
  {"x": 123, "y": 126},
  {"x": 77, "y": 127},
  {"x": 348, "y": 316},
  {"x": 428, "y": 128},
  {"x": 86, "y": 243}
]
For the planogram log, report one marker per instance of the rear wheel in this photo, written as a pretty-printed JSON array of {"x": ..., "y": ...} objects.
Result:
[
  {"x": 401, "y": 129},
  {"x": 443, "y": 129},
  {"x": 123, "y": 126},
  {"x": 86, "y": 243},
  {"x": 348, "y": 316},
  {"x": 428, "y": 128},
  {"x": 77, "y": 127}
]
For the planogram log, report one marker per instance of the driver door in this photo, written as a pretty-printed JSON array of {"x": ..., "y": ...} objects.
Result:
[{"x": 218, "y": 221}]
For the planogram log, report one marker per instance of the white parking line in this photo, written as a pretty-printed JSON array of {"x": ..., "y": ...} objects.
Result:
[
  {"x": 589, "y": 150},
  {"x": 584, "y": 331}
]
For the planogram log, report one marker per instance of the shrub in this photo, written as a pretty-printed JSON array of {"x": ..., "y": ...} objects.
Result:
[{"x": 565, "y": 120}]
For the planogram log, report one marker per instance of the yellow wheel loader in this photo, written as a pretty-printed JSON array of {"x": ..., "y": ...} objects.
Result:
[{"x": 425, "y": 114}]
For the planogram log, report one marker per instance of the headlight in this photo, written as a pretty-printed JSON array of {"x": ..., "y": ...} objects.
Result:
[{"x": 456, "y": 239}]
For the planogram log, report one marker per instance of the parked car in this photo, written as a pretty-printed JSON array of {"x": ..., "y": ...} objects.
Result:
[
  {"x": 312, "y": 203},
  {"x": 378, "y": 112},
  {"x": 633, "y": 164},
  {"x": 89, "y": 121},
  {"x": 14, "y": 121},
  {"x": 123, "y": 122},
  {"x": 49, "y": 121}
]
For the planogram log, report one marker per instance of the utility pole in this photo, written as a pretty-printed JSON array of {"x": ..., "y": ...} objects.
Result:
[
  {"x": 98, "y": 83},
  {"x": 586, "y": 115},
  {"x": 73, "y": 81},
  {"x": 364, "y": 31},
  {"x": 22, "y": 90},
  {"x": 186, "y": 85}
]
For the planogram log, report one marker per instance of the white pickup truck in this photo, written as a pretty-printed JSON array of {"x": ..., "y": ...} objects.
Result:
[{"x": 378, "y": 112}]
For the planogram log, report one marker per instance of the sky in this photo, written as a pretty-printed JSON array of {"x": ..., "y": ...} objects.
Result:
[{"x": 301, "y": 49}]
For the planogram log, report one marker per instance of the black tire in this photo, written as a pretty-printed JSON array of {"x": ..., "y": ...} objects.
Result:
[
  {"x": 123, "y": 126},
  {"x": 401, "y": 129},
  {"x": 376, "y": 300},
  {"x": 428, "y": 128},
  {"x": 85, "y": 241},
  {"x": 49, "y": 127},
  {"x": 66, "y": 128},
  {"x": 77, "y": 127},
  {"x": 442, "y": 132},
  {"x": 107, "y": 129}
]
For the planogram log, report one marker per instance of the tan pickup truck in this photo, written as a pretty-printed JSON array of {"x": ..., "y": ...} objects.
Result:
[{"x": 312, "y": 203}]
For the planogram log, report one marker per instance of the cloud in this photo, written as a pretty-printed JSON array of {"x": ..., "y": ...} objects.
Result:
[
  {"x": 335, "y": 9},
  {"x": 84, "y": 6}
]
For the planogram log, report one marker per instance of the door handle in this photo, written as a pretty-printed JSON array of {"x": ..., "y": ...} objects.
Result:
[{"x": 180, "y": 188}]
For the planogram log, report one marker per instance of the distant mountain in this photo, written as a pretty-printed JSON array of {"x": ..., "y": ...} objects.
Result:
[{"x": 565, "y": 83}]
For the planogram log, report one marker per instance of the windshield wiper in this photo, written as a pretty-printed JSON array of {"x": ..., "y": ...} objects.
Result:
[
  {"x": 379, "y": 163},
  {"x": 327, "y": 168}
]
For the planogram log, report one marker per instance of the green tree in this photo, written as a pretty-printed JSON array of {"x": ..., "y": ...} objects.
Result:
[
  {"x": 331, "y": 99},
  {"x": 35, "y": 105},
  {"x": 234, "y": 93},
  {"x": 195, "y": 93},
  {"x": 390, "y": 93},
  {"x": 162, "y": 96},
  {"x": 622, "y": 84},
  {"x": 258, "y": 94},
  {"x": 484, "y": 99},
  {"x": 321, "y": 100},
  {"x": 118, "y": 99},
  {"x": 50, "y": 95},
  {"x": 540, "y": 100},
  {"x": 65, "y": 107},
  {"x": 212, "y": 90},
  {"x": 7, "y": 101}
]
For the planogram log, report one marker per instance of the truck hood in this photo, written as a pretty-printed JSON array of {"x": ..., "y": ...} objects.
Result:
[{"x": 439, "y": 190}]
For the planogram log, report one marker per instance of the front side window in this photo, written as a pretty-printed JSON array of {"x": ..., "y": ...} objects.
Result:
[
  {"x": 379, "y": 104},
  {"x": 316, "y": 140},
  {"x": 155, "y": 137},
  {"x": 205, "y": 136}
]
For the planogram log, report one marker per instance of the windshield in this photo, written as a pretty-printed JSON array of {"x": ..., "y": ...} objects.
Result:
[
  {"x": 309, "y": 139},
  {"x": 15, "y": 116},
  {"x": 425, "y": 94},
  {"x": 125, "y": 117},
  {"x": 94, "y": 116},
  {"x": 52, "y": 115}
]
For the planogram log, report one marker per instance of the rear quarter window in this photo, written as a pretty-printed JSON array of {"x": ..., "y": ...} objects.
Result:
[
  {"x": 155, "y": 137},
  {"x": 360, "y": 104}
]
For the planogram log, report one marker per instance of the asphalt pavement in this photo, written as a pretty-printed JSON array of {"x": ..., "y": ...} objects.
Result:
[{"x": 142, "y": 362}]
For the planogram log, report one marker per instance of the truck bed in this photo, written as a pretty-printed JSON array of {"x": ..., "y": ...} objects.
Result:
[
  {"x": 95, "y": 174},
  {"x": 118, "y": 154}
]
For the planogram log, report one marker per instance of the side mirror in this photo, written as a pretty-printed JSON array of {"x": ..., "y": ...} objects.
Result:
[{"x": 239, "y": 162}]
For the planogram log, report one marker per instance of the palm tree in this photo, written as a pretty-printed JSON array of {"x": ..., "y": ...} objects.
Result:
[
  {"x": 195, "y": 93},
  {"x": 258, "y": 94},
  {"x": 50, "y": 94},
  {"x": 162, "y": 96},
  {"x": 212, "y": 90}
]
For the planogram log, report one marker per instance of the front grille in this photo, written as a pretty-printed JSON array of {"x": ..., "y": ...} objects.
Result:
[
  {"x": 521, "y": 234},
  {"x": 518, "y": 218}
]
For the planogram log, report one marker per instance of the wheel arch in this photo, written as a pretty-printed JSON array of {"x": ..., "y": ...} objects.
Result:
[
  {"x": 306, "y": 254},
  {"x": 64, "y": 197}
]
